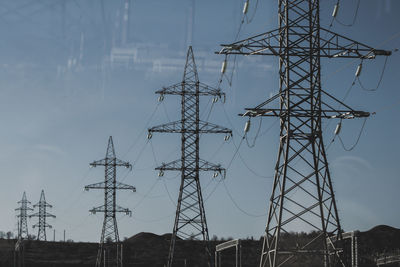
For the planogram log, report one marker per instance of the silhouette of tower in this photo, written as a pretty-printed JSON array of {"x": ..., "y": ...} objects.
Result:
[
  {"x": 109, "y": 253},
  {"x": 190, "y": 220},
  {"x": 23, "y": 217},
  {"x": 42, "y": 215},
  {"x": 302, "y": 193}
]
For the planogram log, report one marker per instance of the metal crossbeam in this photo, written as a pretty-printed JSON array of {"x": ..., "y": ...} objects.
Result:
[
  {"x": 203, "y": 166},
  {"x": 194, "y": 127}
]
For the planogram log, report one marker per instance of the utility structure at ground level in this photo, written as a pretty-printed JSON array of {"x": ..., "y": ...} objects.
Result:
[
  {"x": 23, "y": 217},
  {"x": 42, "y": 214},
  {"x": 302, "y": 193},
  {"x": 110, "y": 252},
  {"x": 190, "y": 220}
]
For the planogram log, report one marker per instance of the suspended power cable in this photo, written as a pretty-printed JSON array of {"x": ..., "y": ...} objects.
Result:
[
  {"x": 249, "y": 20},
  {"x": 169, "y": 195},
  {"x": 255, "y": 137},
  {"x": 244, "y": 162},
  {"x": 218, "y": 150},
  {"x": 379, "y": 81},
  {"x": 154, "y": 220},
  {"x": 269, "y": 128},
  {"x": 143, "y": 131},
  {"x": 230, "y": 122},
  {"x": 136, "y": 159},
  {"x": 147, "y": 193},
  {"x": 251, "y": 170},
  {"x": 238, "y": 207},
  {"x": 353, "y": 21},
  {"x": 388, "y": 107},
  {"x": 152, "y": 151},
  {"x": 204, "y": 111},
  {"x": 236, "y": 152},
  {"x": 209, "y": 112},
  {"x": 358, "y": 138},
  {"x": 166, "y": 111},
  {"x": 213, "y": 190},
  {"x": 165, "y": 185}
]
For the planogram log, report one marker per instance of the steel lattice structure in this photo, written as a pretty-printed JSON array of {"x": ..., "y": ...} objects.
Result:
[
  {"x": 42, "y": 215},
  {"x": 23, "y": 217},
  {"x": 109, "y": 253},
  {"x": 302, "y": 194},
  {"x": 190, "y": 220}
]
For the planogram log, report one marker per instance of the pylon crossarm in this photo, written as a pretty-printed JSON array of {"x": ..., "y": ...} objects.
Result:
[
  {"x": 27, "y": 208},
  {"x": 179, "y": 89},
  {"x": 262, "y": 44},
  {"x": 332, "y": 45},
  {"x": 175, "y": 165},
  {"x": 204, "y": 165},
  {"x": 119, "y": 185},
  {"x": 97, "y": 209},
  {"x": 300, "y": 113},
  {"x": 176, "y": 127},
  {"x": 103, "y": 209},
  {"x": 208, "y": 90},
  {"x": 327, "y": 111},
  {"x": 206, "y": 127},
  {"x": 100, "y": 185},
  {"x": 45, "y": 204},
  {"x": 171, "y": 127},
  {"x": 24, "y": 201},
  {"x": 335, "y": 45},
  {"x": 34, "y": 215},
  {"x": 49, "y": 215},
  {"x": 123, "y": 210},
  {"x": 113, "y": 161}
]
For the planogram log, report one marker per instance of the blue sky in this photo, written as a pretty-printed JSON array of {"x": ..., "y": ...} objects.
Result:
[{"x": 56, "y": 119}]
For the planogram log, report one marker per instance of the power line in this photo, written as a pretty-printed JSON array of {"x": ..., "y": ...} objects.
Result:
[
  {"x": 358, "y": 138},
  {"x": 143, "y": 131},
  {"x": 379, "y": 81},
  {"x": 238, "y": 207},
  {"x": 353, "y": 21}
]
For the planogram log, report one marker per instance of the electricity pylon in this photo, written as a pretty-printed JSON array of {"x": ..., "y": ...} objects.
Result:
[
  {"x": 107, "y": 256},
  {"x": 190, "y": 220},
  {"x": 23, "y": 217},
  {"x": 42, "y": 215},
  {"x": 302, "y": 194}
]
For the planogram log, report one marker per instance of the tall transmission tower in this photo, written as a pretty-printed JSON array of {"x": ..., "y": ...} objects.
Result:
[
  {"x": 109, "y": 253},
  {"x": 42, "y": 215},
  {"x": 23, "y": 217},
  {"x": 190, "y": 220},
  {"x": 302, "y": 194}
]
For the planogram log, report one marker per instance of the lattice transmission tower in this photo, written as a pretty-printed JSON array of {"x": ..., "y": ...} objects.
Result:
[
  {"x": 190, "y": 220},
  {"x": 302, "y": 194},
  {"x": 109, "y": 252},
  {"x": 42, "y": 214},
  {"x": 23, "y": 217}
]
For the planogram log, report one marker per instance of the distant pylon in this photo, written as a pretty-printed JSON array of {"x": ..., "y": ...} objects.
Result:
[
  {"x": 107, "y": 256},
  {"x": 190, "y": 220},
  {"x": 23, "y": 217},
  {"x": 42, "y": 215}
]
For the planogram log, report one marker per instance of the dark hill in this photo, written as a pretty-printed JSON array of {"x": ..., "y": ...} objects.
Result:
[{"x": 151, "y": 250}]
